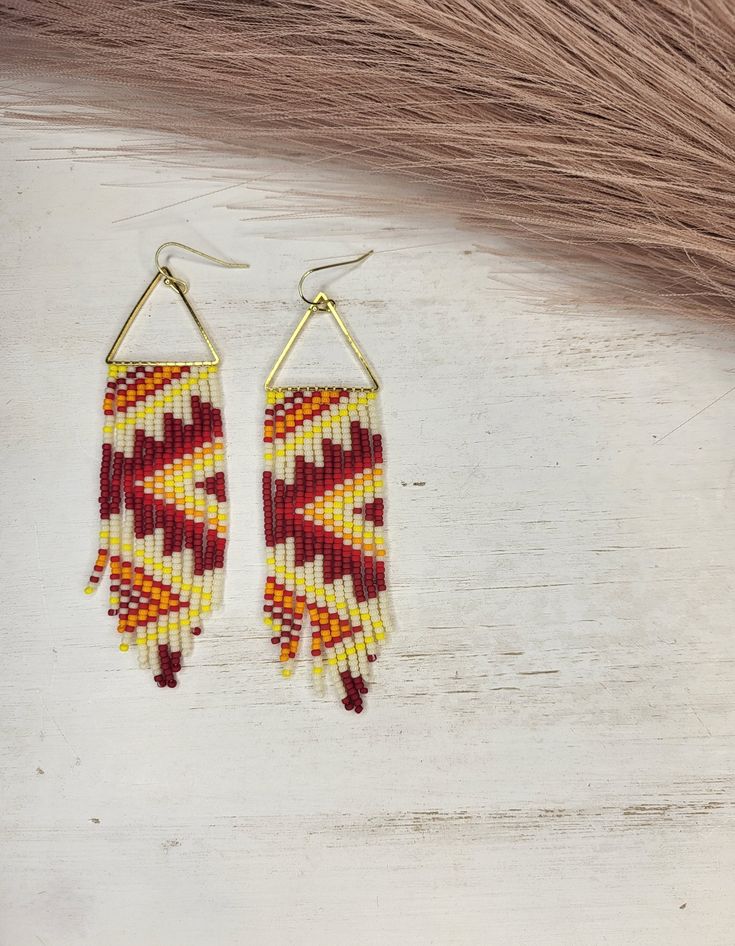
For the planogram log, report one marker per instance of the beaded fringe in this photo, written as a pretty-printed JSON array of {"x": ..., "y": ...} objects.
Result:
[
  {"x": 163, "y": 509},
  {"x": 323, "y": 520}
]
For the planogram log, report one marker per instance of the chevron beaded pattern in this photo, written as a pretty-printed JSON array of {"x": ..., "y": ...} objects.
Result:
[
  {"x": 163, "y": 509},
  {"x": 323, "y": 520}
]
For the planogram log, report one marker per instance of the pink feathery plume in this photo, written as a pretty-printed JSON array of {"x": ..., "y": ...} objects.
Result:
[{"x": 605, "y": 126}]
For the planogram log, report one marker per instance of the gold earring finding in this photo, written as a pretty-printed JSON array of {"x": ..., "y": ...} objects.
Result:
[
  {"x": 322, "y": 303},
  {"x": 181, "y": 287}
]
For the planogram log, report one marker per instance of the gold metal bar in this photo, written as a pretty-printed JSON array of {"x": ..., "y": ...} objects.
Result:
[{"x": 281, "y": 389}]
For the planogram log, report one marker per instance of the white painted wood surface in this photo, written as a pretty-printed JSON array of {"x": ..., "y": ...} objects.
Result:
[{"x": 547, "y": 754}]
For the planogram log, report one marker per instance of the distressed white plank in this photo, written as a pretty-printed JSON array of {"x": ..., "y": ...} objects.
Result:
[{"x": 547, "y": 754}]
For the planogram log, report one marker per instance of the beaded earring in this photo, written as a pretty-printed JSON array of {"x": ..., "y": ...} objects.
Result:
[
  {"x": 163, "y": 500},
  {"x": 323, "y": 519}
]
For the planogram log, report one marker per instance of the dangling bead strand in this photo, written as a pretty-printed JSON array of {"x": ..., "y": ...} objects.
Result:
[
  {"x": 108, "y": 432},
  {"x": 268, "y": 511},
  {"x": 379, "y": 517},
  {"x": 219, "y": 488}
]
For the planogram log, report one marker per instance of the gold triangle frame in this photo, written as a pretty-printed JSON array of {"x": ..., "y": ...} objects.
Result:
[
  {"x": 322, "y": 303},
  {"x": 164, "y": 274}
]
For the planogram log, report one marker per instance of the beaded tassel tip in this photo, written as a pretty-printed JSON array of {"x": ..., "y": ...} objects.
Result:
[
  {"x": 163, "y": 509},
  {"x": 323, "y": 518}
]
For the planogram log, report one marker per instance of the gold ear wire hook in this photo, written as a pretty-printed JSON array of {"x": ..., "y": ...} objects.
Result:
[
  {"x": 170, "y": 280},
  {"x": 321, "y": 304}
]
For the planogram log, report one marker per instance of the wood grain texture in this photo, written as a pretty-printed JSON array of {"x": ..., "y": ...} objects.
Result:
[{"x": 547, "y": 754}]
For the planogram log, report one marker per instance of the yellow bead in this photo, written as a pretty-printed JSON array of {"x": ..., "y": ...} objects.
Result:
[
  {"x": 89, "y": 590},
  {"x": 123, "y": 647}
]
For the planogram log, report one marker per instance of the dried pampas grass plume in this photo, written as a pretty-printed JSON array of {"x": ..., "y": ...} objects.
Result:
[{"x": 605, "y": 125}]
